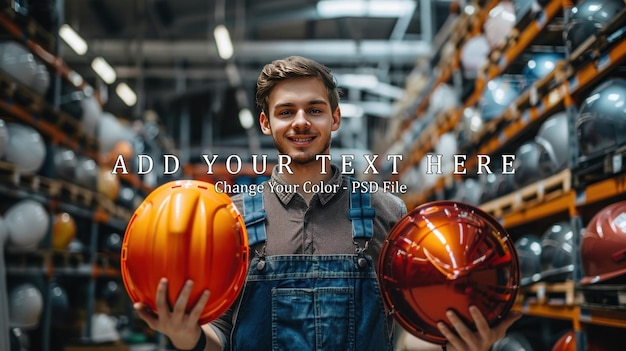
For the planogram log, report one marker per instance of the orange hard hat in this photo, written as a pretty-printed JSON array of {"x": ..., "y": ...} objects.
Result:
[
  {"x": 447, "y": 255},
  {"x": 63, "y": 230},
  {"x": 108, "y": 183},
  {"x": 121, "y": 148},
  {"x": 186, "y": 230}
]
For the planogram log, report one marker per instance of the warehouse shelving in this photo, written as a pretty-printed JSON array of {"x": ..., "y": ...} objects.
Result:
[
  {"x": 466, "y": 26},
  {"x": 525, "y": 36},
  {"x": 70, "y": 76},
  {"x": 95, "y": 213},
  {"x": 560, "y": 86},
  {"x": 560, "y": 197},
  {"x": 446, "y": 121},
  {"x": 578, "y": 315}
]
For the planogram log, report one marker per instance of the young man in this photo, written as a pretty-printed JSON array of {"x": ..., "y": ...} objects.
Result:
[{"x": 312, "y": 281}]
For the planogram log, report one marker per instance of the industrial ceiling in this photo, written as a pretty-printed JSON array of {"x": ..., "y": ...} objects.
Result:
[{"x": 166, "y": 52}]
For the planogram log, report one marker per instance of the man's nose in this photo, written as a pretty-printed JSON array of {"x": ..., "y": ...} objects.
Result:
[{"x": 300, "y": 120}]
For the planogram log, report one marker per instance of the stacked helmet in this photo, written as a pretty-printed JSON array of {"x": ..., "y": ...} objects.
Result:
[
  {"x": 59, "y": 303},
  {"x": 522, "y": 7},
  {"x": 25, "y": 306},
  {"x": 474, "y": 55},
  {"x": 63, "y": 230},
  {"x": 447, "y": 147},
  {"x": 489, "y": 185},
  {"x": 92, "y": 112},
  {"x": 17, "y": 61},
  {"x": 587, "y": 18},
  {"x": 443, "y": 98},
  {"x": 505, "y": 183},
  {"x": 526, "y": 163},
  {"x": 469, "y": 127},
  {"x": 65, "y": 162},
  {"x": 497, "y": 97},
  {"x": 186, "y": 230},
  {"x": 86, "y": 172},
  {"x": 500, "y": 21},
  {"x": 108, "y": 291},
  {"x": 603, "y": 245},
  {"x": 539, "y": 66},
  {"x": 529, "y": 253},
  {"x": 26, "y": 148},
  {"x": 27, "y": 222},
  {"x": 103, "y": 328},
  {"x": 113, "y": 244},
  {"x": 446, "y": 255},
  {"x": 601, "y": 121},
  {"x": 553, "y": 140},
  {"x": 41, "y": 78},
  {"x": 108, "y": 183},
  {"x": 470, "y": 191},
  {"x": 567, "y": 342},
  {"x": 557, "y": 252}
]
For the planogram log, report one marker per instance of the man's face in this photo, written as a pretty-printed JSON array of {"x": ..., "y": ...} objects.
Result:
[{"x": 300, "y": 119}]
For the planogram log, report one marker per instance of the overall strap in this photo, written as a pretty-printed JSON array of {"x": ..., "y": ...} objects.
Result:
[
  {"x": 361, "y": 213},
  {"x": 254, "y": 217}
]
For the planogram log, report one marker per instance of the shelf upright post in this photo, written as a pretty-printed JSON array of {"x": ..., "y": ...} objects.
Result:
[{"x": 91, "y": 284}]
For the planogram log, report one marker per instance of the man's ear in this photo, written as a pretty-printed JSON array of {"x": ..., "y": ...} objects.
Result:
[
  {"x": 265, "y": 123},
  {"x": 336, "y": 119}
]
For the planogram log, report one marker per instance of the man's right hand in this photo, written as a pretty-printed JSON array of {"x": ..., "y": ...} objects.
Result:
[{"x": 180, "y": 327}]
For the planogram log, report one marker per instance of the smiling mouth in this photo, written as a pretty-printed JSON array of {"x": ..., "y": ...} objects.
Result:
[{"x": 301, "y": 140}]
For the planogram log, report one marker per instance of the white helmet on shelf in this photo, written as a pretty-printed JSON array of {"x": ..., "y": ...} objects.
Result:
[
  {"x": 474, "y": 55},
  {"x": 499, "y": 23},
  {"x": 27, "y": 222},
  {"x": 17, "y": 61},
  {"x": 92, "y": 114},
  {"x": 26, "y": 148},
  {"x": 103, "y": 328},
  {"x": 25, "y": 306}
]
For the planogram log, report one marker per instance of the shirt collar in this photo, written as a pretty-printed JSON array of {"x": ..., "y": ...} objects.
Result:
[{"x": 285, "y": 196}]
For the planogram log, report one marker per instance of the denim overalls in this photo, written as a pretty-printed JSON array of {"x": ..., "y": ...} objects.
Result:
[{"x": 311, "y": 302}]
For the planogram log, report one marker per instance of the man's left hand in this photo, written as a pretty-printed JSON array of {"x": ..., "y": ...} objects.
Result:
[{"x": 483, "y": 338}]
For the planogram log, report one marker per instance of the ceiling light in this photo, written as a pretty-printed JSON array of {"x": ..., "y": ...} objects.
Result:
[
  {"x": 222, "y": 40},
  {"x": 349, "y": 110},
  {"x": 361, "y": 8},
  {"x": 360, "y": 81},
  {"x": 104, "y": 70},
  {"x": 126, "y": 94},
  {"x": 73, "y": 39},
  {"x": 245, "y": 118},
  {"x": 232, "y": 73}
]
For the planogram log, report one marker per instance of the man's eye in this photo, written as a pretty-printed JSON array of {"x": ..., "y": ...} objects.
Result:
[{"x": 316, "y": 111}]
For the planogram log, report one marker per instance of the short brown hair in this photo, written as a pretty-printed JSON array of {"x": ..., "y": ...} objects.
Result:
[{"x": 290, "y": 68}]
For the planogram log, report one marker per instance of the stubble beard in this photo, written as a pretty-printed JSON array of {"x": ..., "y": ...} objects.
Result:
[{"x": 301, "y": 157}]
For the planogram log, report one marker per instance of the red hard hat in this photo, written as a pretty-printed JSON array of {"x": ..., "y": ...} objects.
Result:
[
  {"x": 447, "y": 255},
  {"x": 603, "y": 247},
  {"x": 186, "y": 230},
  {"x": 567, "y": 342}
]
